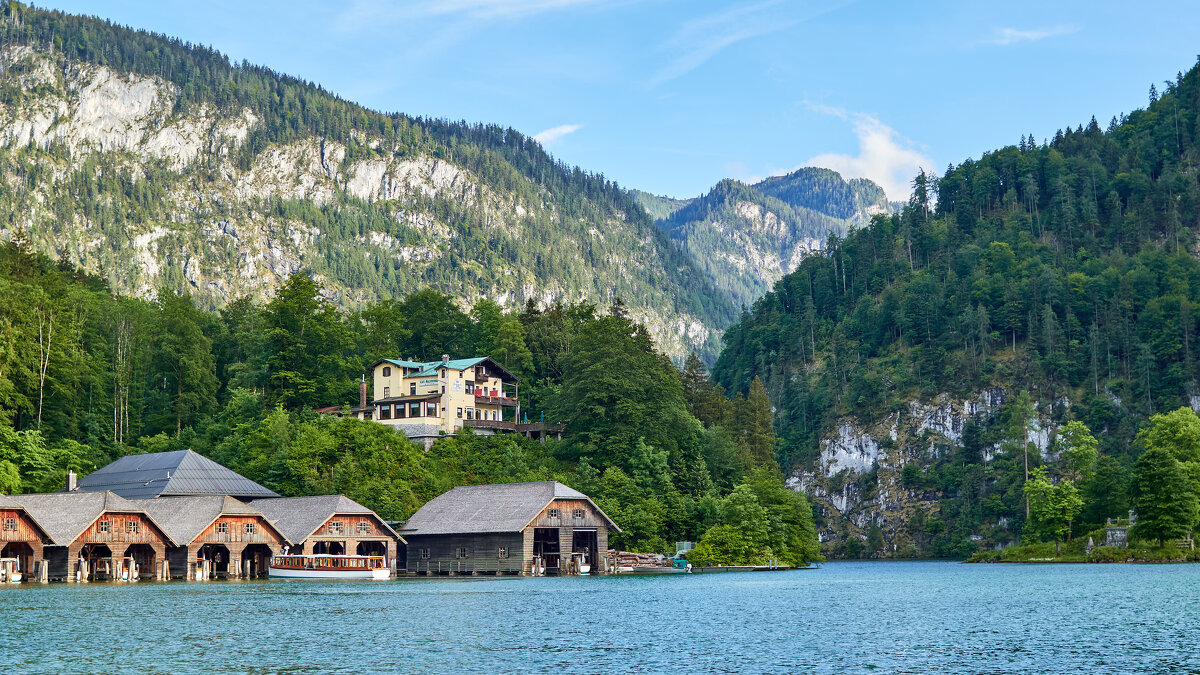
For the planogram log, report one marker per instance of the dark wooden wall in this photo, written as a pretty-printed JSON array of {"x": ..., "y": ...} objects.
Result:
[{"x": 482, "y": 553}]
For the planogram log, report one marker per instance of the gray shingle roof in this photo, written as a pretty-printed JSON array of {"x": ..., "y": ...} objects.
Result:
[
  {"x": 299, "y": 517},
  {"x": 170, "y": 474},
  {"x": 185, "y": 518},
  {"x": 65, "y": 515},
  {"x": 506, "y": 507}
]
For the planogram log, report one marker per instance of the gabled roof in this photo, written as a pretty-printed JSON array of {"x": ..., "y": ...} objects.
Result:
[
  {"x": 430, "y": 368},
  {"x": 508, "y": 507},
  {"x": 181, "y": 473},
  {"x": 10, "y": 503},
  {"x": 298, "y": 518},
  {"x": 66, "y": 515},
  {"x": 185, "y": 518}
]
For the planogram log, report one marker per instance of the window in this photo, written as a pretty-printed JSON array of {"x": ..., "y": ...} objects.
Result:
[
  {"x": 578, "y": 514},
  {"x": 133, "y": 526},
  {"x": 222, "y": 528},
  {"x": 443, "y": 372},
  {"x": 502, "y": 552},
  {"x": 431, "y": 409},
  {"x": 424, "y": 554},
  {"x": 387, "y": 371},
  {"x": 102, "y": 526},
  {"x": 251, "y": 528},
  {"x": 494, "y": 415},
  {"x": 461, "y": 552},
  {"x": 387, "y": 392},
  {"x": 400, "y": 409},
  {"x": 470, "y": 388},
  {"x": 335, "y": 528},
  {"x": 460, "y": 413},
  {"x": 414, "y": 410},
  {"x": 364, "y": 527},
  {"x": 10, "y": 524},
  {"x": 412, "y": 389},
  {"x": 385, "y": 411},
  {"x": 554, "y": 514}
]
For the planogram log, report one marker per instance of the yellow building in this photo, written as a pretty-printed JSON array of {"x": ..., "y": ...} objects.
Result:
[{"x": 429, "y": 399}]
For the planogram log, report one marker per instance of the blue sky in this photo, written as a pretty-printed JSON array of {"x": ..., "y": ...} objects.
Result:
[{"x": 671, "y": 96}]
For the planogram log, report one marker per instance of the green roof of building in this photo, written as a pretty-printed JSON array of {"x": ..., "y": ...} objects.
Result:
[{"x": 430, "y": 368}]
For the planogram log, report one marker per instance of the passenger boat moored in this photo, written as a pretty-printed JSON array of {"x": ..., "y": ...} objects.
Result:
[{"x": 329, "y": 567}]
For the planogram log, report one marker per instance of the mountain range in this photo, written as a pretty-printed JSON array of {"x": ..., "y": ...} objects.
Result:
[{"x": 160, "y": 164}]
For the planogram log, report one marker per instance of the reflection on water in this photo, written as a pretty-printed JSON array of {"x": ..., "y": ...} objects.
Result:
[{"x": 886, "y": 617}]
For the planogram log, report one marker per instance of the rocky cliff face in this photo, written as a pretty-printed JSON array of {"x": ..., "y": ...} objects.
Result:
[
  {"x": 106, "y": 170},
  {"x": 917, "y": 435}
]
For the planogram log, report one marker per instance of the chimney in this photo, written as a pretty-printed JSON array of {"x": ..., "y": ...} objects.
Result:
[
  {"x": 362, "y": 392},
  {"x": 72, "y": 481},
  {"x": 445, "y": 358}
]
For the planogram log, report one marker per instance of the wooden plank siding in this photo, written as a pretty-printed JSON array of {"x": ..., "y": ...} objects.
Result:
[
  {"x": 24, "y": 531},
  {"x": 236, "y": 533},
  {"x": 118, "y": 536},
  {"x": 482, "y": 553},
  {"x": 567, "y": 508}
]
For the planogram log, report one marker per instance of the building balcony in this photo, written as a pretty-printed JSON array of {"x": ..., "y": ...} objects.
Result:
[
  {"x": 495, "y": 425},
  {"x": 480, "y": 399}
]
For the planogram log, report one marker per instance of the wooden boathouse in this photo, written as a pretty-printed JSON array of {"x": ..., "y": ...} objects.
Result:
[
  {"x": 514, "y": 528},
  {"x": 217, "y": 537},
  {"x": 97, "y": 535},
  {"x": 332, "y": 524},
  {"x": 21, "y": 540}
]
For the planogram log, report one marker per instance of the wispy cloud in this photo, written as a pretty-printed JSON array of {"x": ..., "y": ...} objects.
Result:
[
  {"x": 549, "y": 136},
  {"x": 365, "y": 13},
  {"x": 1012, "y": 36},
  {"x": 884, "y": 156},
  {"x": 700, "y": 39}
]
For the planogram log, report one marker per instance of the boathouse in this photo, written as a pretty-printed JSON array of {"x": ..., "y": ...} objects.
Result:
[
  {"x": 182, "y": 473},
  {"x": 216, "y": 537},
  {"x": 21, "y": 539},
  {"x": 514, "y": 528},
  {"x": 332, "y": 524},
  {"x": 97, "y": 535}
]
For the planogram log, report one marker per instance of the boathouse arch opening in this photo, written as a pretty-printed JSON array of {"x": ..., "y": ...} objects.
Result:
[
  {"x": 144, "y": 559},
  {"x": 23, "y": 552},
  {"x": 217, "y": 556},
  {"x": 98, "y": 558},
  {"x": 255, "y": 559},
  {"x": 329, "y": 548}
]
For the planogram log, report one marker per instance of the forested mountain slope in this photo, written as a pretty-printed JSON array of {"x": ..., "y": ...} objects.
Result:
[
  {"x": 157, "y": 163},
  {"x": 746, "y": 237},
  {"x": 1066, "y": 269}
]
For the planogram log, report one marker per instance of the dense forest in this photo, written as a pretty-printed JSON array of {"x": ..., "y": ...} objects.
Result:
[
  {"x": 1065, "y": 269},
  {"x": 87, "y": 376},
  {"x": 507, "y": 222}
]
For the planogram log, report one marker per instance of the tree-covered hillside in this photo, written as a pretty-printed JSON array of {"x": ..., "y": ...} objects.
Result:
[
  {"x": 155, "y": 162},
  {"x": 1065, "y": 268},
  {"x": 87, "y": 376},
  {"x": 745, "y": 237}
]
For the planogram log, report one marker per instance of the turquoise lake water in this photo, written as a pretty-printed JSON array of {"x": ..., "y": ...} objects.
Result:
[{"x": 910, "y": 617}]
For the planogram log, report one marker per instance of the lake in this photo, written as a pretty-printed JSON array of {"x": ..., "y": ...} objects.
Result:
[{"x": 848, "y": 616}]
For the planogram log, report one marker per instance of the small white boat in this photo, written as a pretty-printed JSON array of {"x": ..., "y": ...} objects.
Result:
[
  {"x": 320, "y": 566},
  {"x": 10, "y": 570}
]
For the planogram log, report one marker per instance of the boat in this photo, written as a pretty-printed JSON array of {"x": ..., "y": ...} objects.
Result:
[
  {"x": 321, "y": 566},
  {"x": 677, "y": 567},
  {"x": 10, "y": 570}
]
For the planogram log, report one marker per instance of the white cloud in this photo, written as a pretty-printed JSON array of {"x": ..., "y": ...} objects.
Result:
[
  {"x": 549, "y": 136},
  {"x": 884, "y": 156},
  {"x": 1012, "y": 36}
]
